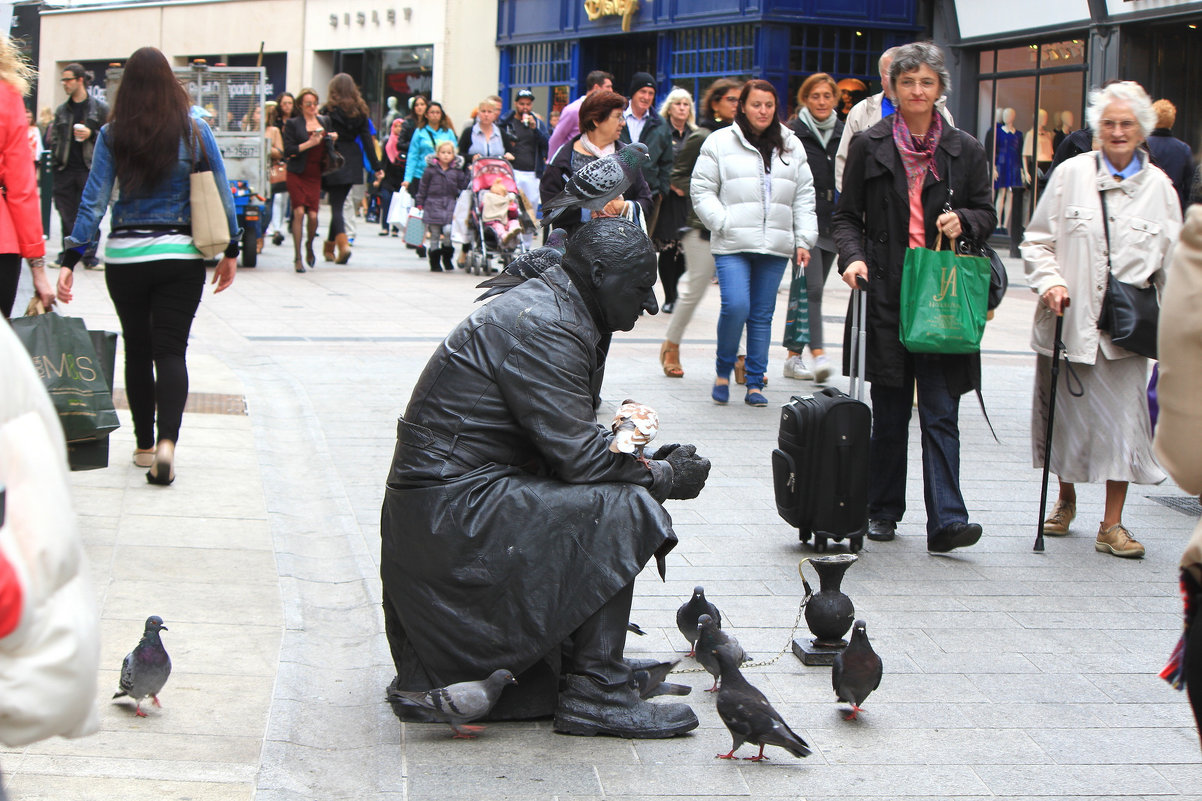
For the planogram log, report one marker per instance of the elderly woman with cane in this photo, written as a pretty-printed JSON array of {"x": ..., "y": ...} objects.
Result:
[{"x": 1104, "y": 216}]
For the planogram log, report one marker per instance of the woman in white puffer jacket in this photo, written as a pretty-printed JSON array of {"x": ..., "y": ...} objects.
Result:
[{"x": 752, "y": 189}]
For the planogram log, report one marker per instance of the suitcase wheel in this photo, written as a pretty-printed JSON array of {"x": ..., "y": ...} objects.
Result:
[{"x": 855, "y": 544}]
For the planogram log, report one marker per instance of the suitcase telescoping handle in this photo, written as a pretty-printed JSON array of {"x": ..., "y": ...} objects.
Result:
[{"x": 859, "y": 339}]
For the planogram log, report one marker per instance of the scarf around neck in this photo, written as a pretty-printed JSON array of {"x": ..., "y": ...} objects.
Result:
[
  {"x": 599, "y": 152},
  {"x": 391, "y": 148},
  {"x": 822, "y": 129},
  {"x": 917, "y": 153}
]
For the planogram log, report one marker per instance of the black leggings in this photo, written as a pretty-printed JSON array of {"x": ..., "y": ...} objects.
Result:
[
  {"x": 336, "y": 194},
  {"x": 10, "y": 276},
  {"x": 156, "y": 302}
]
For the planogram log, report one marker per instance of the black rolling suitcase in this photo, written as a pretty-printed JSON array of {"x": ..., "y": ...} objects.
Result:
[{"x": 820, "y": 469}]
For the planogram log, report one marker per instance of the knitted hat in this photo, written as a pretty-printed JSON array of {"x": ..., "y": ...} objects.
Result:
[{"x": 641, "y": 80}]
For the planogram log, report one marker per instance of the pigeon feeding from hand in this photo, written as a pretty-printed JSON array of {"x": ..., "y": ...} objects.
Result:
[
  {"x": 749, "y": 716},
  {"x": 689, "y": 613},
  {"x": 530, "y": 264},
  {"x": 459, "y": 704},
  {"x": 634, "y": 425},
  {"x": 710, "y": 639},
  {"x": 857, "y": 670},
  {"x": 146, "y": 667},
  {"x": 597, "y": 183}
]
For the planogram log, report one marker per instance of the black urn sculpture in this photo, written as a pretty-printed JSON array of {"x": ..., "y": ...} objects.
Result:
[{"x": 829, "y": 613}]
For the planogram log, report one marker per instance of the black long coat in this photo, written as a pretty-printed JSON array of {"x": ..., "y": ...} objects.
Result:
[
  {"x": 822, "y": 167},
  {"x": 871, "y": 224},
  {"x": 354, "y": 142},
  {"x": 506, "y": 520}
]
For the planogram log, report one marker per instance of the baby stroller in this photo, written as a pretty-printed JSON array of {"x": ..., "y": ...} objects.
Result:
[{"x": 483, "y": 243}]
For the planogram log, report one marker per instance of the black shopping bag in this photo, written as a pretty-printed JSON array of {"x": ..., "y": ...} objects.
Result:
[
  {"x": 94, "y": 454},
  {"x": 68, "y": 363}
]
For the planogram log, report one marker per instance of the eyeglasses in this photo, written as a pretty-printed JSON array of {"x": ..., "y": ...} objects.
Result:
[
  {"x": 1126, "y": 126},
  {"x": 731, "y": 99},
  {"x": 926, "y": 84},
  {"x": 308, "y": 102}
]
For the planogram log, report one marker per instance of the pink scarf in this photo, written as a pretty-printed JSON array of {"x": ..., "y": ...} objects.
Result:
[
  {"x": 917, "y": 153},
  {"x": 390, "y": 148}
]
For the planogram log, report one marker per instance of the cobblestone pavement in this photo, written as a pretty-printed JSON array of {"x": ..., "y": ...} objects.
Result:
[{"x": 1009, "y": 674}]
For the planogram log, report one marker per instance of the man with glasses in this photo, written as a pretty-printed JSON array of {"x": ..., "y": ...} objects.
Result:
[{"x": 72, "y": 139}]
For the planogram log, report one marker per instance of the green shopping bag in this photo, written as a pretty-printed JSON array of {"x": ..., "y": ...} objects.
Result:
[
  {"x": 797, "y": 318},
  {"x": 943, "y": 300}
]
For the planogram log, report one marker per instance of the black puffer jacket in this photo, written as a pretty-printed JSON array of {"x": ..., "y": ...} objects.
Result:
[
  {"x": 506, "y": 520},
  {"x": 871, "y": 224}
]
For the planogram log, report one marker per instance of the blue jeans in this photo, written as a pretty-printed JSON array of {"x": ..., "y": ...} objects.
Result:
[
  {"x": 939, "y": 418},
  {"x": 748, "y": 284}
]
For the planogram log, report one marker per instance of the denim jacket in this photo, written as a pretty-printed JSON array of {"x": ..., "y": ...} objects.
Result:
[{"x": 168, "y": 204}]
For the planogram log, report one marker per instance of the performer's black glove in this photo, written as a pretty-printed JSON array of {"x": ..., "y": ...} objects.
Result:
[{"x": 689, "y": 471}]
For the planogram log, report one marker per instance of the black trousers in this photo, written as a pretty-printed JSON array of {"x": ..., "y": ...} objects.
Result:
[
  {"x": 68, "y": 190},
  {"x": 336, "y": 194},
  {"x": 10, "y": 276},
  {"x": 156, "y": 303}
]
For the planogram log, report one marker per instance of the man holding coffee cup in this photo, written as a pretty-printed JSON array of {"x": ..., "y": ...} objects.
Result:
[
  {"x": 530, "y": 148},
  {"x": 72, "y": 138}
]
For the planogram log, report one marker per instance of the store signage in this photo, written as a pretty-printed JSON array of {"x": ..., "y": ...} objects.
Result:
[
  {"x": 626, "y": 9},
  {"x": 981, "y": 19},
  {"x": 1132, "y": 6}
]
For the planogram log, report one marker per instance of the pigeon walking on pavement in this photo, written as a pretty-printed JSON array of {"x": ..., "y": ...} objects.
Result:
[
  {"x": 634, "y": 426},
  {"x": 146, "y": 667},
  {"x": 689, "y": 612},
  {"x": 459, "y": 704},
  {"x": 530, "y": 264},
  {"x": 749, "y": 716},
  {"x": 710, "y": 639},
  {"x": 857, "y": 670},
  {"x": 598, "y": 182}
]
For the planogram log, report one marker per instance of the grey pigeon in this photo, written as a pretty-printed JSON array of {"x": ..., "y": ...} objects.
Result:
[
  {"x": 598, "y": 182},
  {"x": 689, "y": 612},
  {"x": 710, "y": 638},
  {"x": 634, "y": 628},
  {"x": 857, "y": 670},
  {"x": 146, "y": 667},
  {"x": 649, "y": 675},
  {"x": 530, "y": 264},
  {"x": 461, "y": 703},
  {"x": 749, "y": 716}
]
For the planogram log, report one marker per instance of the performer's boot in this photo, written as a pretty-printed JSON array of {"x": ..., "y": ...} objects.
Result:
[{"x": 600, "y": 696}]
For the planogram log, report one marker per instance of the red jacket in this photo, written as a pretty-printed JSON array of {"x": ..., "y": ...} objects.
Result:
[{"x": 20, "y": 214}]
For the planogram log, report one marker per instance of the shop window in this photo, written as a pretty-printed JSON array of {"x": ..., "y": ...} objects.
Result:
[
  {"x": 541, "y": 64},
  {"x": 728, "y": 50},
  {"x": 841, "y": 51}
]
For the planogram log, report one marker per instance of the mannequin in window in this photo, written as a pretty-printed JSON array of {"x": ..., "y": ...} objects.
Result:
[
  {"x": 1067, "y": 126},
  {"x": 1038, "y": 157},
  {"x": 1009, "y": 172}
]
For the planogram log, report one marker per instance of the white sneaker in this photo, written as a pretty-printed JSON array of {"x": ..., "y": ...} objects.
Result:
[
  {"x": 796, "y": 368},
  {"x": 822, "y": 369}
]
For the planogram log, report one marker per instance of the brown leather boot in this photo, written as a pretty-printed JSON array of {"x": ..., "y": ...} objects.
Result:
[
  {"x": 344, "y": 249},
  {"x": 327, "y": 250}
]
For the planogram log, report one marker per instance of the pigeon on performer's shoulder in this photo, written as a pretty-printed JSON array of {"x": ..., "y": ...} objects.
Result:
[
  {"x": 749, "y": 716},
  {"x": 459, "y": 704},
  {"x": 857, "y": 670},
  {"x": 690, "y": 611},
  {"x": 146, "y": 667},
  {"x": 598, "y": 182},
  {"x": 634, "y": 425},
  {"x": 710, "y": 639},
  {"x": 530, "y": 264}
]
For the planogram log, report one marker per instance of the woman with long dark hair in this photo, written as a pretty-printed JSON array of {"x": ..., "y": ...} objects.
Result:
[
  {"x": 154, "y": 273},
  {"x": 753, "y": 190},
  {"x": 348, "y": 115}
]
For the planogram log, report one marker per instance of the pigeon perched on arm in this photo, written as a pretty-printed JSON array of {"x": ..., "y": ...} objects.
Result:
[
  {"x": 597, "y": 183},
  {"x": 749, "y": 716},
  {"x": 146, "y": 667},
  {"x": 634, "y": 425},
  {"x": 459, "y": 704},
  {"x": 530, "y": 264},
  {"x": 689, "y": 612},
  {"x": 710, "y": 639},
  {"x": 857, "y": 670}
]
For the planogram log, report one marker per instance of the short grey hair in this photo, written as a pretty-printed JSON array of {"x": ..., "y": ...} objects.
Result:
[
  {"x": 910, "y": 57},
  {"x": 886, "y": 56},
  {"x": 678, "y": 93},
  {"x": 1128, "y": 92}
]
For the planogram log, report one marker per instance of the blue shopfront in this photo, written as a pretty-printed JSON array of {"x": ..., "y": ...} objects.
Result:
[{"x": 551, "y": 45}]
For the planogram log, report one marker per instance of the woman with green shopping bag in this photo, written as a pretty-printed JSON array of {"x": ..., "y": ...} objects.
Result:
[{"x": 900, "y": 174}]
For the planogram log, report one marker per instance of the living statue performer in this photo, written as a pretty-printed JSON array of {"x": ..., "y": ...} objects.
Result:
[{"x": 511, "y": 534}]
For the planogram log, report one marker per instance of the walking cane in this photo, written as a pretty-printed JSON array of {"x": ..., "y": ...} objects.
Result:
[{"x": 1057, "y": 346}]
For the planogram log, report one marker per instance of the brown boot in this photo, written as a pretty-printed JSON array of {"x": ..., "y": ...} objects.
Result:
[
  {"x": 327, "y": 250},
  {"x": 344, "y": 249}
]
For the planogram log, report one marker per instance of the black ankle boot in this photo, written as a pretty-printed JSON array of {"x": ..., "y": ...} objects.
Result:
[
  {"x": 587, "y": 708},
  {"x": 434, "y": 266},
  {"x": 447, "y": 253}
]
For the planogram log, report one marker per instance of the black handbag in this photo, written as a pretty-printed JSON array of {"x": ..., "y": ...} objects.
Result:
[
  {"x": 1130, "y": 314},
  {"x": 999, "y": 281}
]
